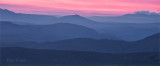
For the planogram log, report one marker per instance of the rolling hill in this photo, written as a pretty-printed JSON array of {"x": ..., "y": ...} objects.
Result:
[
  {"x": 95, "y": 45},
  {"x": 43, "y": 33},
  {"x": 121, "y": 29}
]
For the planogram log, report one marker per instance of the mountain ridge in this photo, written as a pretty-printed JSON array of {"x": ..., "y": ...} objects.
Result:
[
  {"x": 124, "y": 31},
  {"x": 52, "y": 32},
  {"x": 95, "y": 45}
]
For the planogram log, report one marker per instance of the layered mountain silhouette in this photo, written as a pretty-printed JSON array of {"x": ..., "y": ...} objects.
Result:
[
  {"x": 75, "y": 40},
  {"x": 7, "y": 15},
  {"x": 148, "y": 44},
  {"x": 129, "y": 18},
  {"x": 11, "y": 32},
  {"x": 125, "y": 31}
]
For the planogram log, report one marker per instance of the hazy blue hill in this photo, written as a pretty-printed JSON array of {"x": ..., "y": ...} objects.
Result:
[
  {"x": 59, "y": 31},
  {"x": 17, "y": 55},
  {"x": 151, "y": 38},
  {"x": 141, "y": 25},
  {"x": 5, "y": 11},
  {"x": 138, "y": 18},
  {"x": 149, "y": 44},
  {"x": 127, "y": 31},
  {"x": 87, "y": 44},
  {"x": 128, "y": 18},
  {"x": 76, "y": 19},
  {"x": 53, "y": 32},
  {"x": 7, "y": 15}
]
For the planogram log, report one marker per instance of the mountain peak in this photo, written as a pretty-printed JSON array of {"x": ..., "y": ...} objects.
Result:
[
  {"x": 6, "y": 11},
  {"x": 73, "y": 16},
  {"x": 76, "y": 15}
]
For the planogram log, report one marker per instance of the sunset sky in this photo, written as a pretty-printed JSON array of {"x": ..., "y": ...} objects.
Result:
[{"x": 82, "y": 7}]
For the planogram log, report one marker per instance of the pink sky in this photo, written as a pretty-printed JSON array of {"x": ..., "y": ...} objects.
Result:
[{"x": 82, "y": 7}]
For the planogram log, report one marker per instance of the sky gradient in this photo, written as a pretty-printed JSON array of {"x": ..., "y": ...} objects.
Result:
[{"x": 82, "y": 7}]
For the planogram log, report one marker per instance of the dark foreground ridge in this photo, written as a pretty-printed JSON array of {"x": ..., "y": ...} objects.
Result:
[{"x": 26, "y": 56}]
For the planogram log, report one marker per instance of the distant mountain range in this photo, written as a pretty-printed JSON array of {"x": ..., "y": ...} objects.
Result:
[
  {"x": 128, "y": 18},
  {"x": 11, "y": 32},
  {"x": 119, "y": 28},
  {"x": 30, "y": 39},
  {"x": 7, "y": 15},
  {"x": 148, "y": 44}
]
